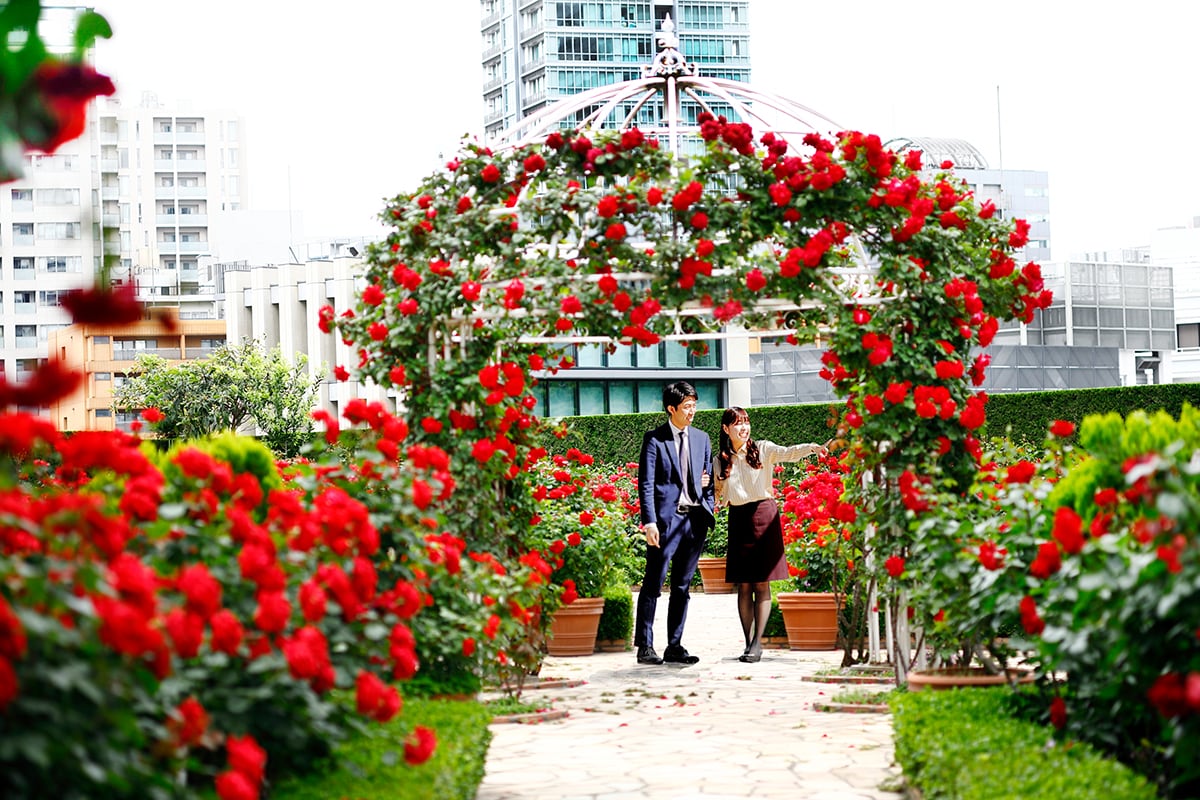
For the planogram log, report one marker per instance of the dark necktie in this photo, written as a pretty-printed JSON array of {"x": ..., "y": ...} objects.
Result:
[{"x": 685, "y": 473}]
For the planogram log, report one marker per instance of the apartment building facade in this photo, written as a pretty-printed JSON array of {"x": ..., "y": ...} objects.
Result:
[{"x": 135, "y": 192}]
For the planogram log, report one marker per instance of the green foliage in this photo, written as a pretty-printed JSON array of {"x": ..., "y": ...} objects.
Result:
[
  {"x": 1026, "y": 415},
  {"x": 967, "y": 743},
  {"x": 235, "y": 386},
  {"x": 716, "y": 545},
  {"x": 616, "y": 621},
  {"x": 617, "y": 438},
  {"x": 370, "y": 765}
]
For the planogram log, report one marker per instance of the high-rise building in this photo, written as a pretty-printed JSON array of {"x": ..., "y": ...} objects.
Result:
[
  {"x": 166, "y": 175},
  {"x": 538, "y": 51},
  {"x": 140, "y": 189}
]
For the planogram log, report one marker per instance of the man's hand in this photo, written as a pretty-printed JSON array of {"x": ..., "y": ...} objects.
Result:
[{"x": 651, "y": 531}]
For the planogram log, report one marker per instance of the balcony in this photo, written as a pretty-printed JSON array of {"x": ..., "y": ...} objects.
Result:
[
  {"x": 24, "y": 274},
  {"x": 492, "y": 84},
  {"x": 189, "y": 137},
  {"x": 190, "y": 192},
  {"x": 109, "y": 165},
  {"x": 164, "y": 165},
  {"x": 129, "y": 354},
  {"x": 489, "y": 21},
  {"x": 193, "y": 247},
  {"x": 25, "y": 343},
  {"x": 110, "y": 220},
  {"x": 182, "y": 220},
  {"x": 25, "y": 309},
  {"x": 532, "y": 66},
  {"x": 190, "y": 275},
  {"x": 110, "y": 193},
  {"x": 191, "y": 165},
  {"x": 533, "y": 30}
]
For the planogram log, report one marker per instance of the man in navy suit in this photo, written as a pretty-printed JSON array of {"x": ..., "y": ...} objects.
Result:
[{"x": 677, "y": 505}]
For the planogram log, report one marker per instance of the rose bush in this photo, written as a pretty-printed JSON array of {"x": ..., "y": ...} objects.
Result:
[
  {"x": 203, "y": 607},
  {"x": 821, "y": 552},
  {"x": 583, "y": 526},
  {"x": 1114, "y": 594}
]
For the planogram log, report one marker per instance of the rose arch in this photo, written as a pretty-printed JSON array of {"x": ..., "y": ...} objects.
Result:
[{"x": 634, "y": 235}]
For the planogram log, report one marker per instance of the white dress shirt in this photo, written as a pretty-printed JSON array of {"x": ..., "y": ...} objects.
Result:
[{"x": 746, "y": 484}]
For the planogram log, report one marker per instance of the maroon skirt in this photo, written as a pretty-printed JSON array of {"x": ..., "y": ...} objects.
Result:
[{"x": 755, "y": 544}]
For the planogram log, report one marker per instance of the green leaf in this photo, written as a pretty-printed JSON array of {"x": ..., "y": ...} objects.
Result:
[{"x": 91, "y": 26}]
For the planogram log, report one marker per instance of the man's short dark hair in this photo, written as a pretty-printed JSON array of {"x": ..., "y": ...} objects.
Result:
[{"x": 675, "y": 393}]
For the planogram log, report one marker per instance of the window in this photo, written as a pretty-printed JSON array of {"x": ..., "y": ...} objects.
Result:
[
  {"x": 1189, "y": 335},
  {"x": 23, "y": 264},
  {"x": 58, "y": 197},
  {"x": 22, "y": 232},
  {"x": 58, "y": 230},
  {"x": 22, "y": 199},
  {"x": 51, "y": 297},
  {"x": 103, "y": 376},
  {"x": 103, "y": 413},
  {"x": 61, "y": 264}
]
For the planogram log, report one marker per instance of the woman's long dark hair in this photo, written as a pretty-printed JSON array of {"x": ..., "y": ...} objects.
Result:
[{"x": 732, "y": 416}]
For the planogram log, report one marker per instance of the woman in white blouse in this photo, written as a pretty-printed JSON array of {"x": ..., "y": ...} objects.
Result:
[{"x": 744, "y": 472}]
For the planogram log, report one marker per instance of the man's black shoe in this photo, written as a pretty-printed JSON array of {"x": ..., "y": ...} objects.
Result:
[
  {"x": 679, "y": 656},
  {"x": 646, "y": 655}
]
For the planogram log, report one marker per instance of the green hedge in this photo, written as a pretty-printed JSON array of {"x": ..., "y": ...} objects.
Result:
[
  {"x": 617, "y": 438},
  {"x": 616, "y": 621},
  {"x": 372, "y": 767},
  {"x": 1028, "y": 414},
  {"x": 966, "y": 743}
]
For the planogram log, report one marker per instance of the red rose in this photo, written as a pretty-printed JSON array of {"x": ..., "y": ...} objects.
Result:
[
  {"x": 948, "y": 370},
  {"x": 1020, "y": 472},
  {"x": 1062, "y": 428},
  {"x": 894, "y": 566},
  {"x": 246, "y": 757},
  {"x": 616, "y": 231},
  {"x": 66, "y": 90},
  {"x": 235, "y": 786},
  {"x": 419, "y": 746},
  {"x": 700, "y": 220},
  {"x": 1068, "y": 529},
  {"x": 189, "y": 722},
  {"x": 227, "y": 632},
  {"x": 490, "y": 173}
]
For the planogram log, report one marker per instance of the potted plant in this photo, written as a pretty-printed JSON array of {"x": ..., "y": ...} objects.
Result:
[
  {"x": 582, "y": 529},
  {"x": 711, "y": 566},
  {"x": 820, "y": 556}
]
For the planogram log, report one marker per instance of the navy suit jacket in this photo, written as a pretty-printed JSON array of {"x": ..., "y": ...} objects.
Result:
[{"x": 659, "y": 484}]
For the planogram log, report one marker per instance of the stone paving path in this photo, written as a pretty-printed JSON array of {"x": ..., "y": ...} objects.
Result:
[{"x": 715, "y": 730}]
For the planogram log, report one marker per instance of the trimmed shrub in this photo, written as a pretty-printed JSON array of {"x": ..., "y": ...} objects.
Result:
[
  {"x": 616, "y": 622},
  {"x": 967, "y": 743},
  {"x": 371, "y": 766}
]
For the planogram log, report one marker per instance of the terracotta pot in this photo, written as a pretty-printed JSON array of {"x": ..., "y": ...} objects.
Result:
[
  {"x": 573, "y": 628},
  {"x": 811, "y": 619},
  {"x": 940, "y": 678},
  {"x": 712, "y": 575}
]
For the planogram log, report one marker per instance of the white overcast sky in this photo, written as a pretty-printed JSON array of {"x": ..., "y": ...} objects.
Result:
[{"x": 349, "y": 102}]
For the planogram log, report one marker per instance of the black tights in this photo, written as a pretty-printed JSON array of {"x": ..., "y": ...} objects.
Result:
[{"x": 754, "y": 607}]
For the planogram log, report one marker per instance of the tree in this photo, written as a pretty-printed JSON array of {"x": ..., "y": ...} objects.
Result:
[{"x": 236, "y": 386}]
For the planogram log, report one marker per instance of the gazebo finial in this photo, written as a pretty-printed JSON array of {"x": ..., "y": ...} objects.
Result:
[{"x": 669, "y": 63}]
